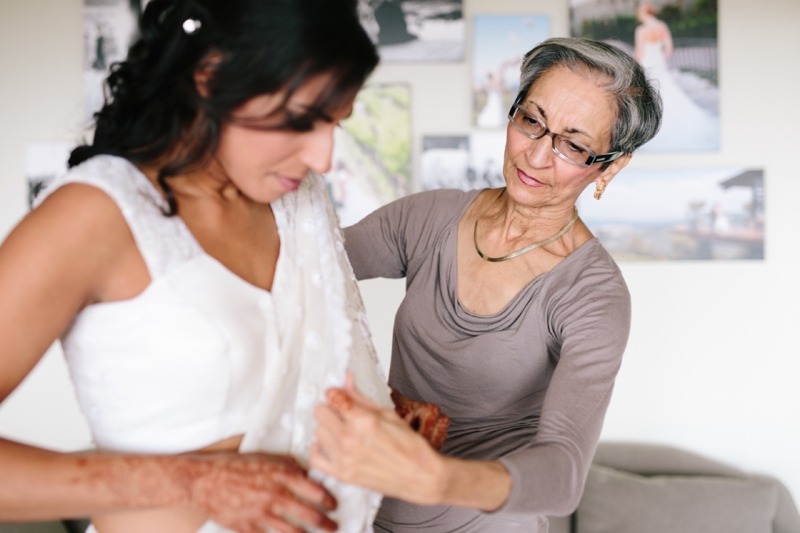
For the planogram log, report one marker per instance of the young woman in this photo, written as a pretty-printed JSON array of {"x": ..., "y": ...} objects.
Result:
[{"x": 192, "y": 267}]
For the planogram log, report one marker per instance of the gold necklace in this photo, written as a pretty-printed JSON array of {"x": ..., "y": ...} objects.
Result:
[{"x": 528, "y": 248}]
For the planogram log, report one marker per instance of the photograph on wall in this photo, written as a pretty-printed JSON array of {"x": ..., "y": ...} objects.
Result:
[
  {"x": 486, "y": 151},
  {"x": 462, "y": 162},
  {"x": 499, "y": 44},
  {"x": 695, "y": 214},
  {"x": 415, "y": 30},
  {"x": 372, "y": 152},
  {"x": 44, "y": 162},
  {"x": 676, "y": 42},
  {"x": 444, "y": 163},
  {"x": 109, "y": 27}
]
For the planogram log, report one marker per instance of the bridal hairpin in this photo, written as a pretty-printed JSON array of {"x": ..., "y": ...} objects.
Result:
[{"x": 190, "y": 26}]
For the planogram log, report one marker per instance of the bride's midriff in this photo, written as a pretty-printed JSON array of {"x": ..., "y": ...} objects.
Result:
[{"x": 164, "y": 519}]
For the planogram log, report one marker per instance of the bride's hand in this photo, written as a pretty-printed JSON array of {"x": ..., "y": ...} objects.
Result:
[
  {"x": 361, "y": 443},
  {"x": 424, "y": 418},
  {"x": 250, "y": 492}
]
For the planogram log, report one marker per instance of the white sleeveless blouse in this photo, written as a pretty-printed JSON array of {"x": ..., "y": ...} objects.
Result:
[{"x": 202, "y": 355}]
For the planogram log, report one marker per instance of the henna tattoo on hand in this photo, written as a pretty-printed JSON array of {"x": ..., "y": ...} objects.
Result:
[{"x": 424, "y": 418}]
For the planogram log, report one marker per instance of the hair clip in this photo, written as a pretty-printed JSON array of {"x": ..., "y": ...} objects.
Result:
[{"x": 190, "y": 26}]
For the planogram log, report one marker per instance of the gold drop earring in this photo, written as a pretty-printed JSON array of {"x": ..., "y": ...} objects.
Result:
[{"x": 601, "y": 187}]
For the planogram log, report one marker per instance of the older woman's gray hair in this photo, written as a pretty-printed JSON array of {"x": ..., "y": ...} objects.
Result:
[{"x": 638, "y": 103}]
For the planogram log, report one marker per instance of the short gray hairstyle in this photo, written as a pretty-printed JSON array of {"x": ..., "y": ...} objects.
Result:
[{"x": 637, "y": 101}]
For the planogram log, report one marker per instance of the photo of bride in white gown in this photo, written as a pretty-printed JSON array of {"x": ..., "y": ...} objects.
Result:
[
  {"x": 499, "y": 43},
  {"x": 686, "y": 126}
]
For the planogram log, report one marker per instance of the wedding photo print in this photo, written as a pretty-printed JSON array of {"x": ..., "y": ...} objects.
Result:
[
  {"x": 676, "y": 43},
  {"x": 463, "y": 162},
  {"x": 715, "y": 213},
  {"x": 371, "y": 163},
  {"x": 499, "y": 44},
  {"x": 415, "y": 30}
]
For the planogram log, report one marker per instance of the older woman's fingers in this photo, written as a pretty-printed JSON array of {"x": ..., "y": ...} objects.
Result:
[
  {"x": 329, "y": 439},
  {"x": 339, "y": 400},
  {"x": 351, "y": 389},
  {"x": 328, "y": 416},
  {"x": 319, "y": 459}
]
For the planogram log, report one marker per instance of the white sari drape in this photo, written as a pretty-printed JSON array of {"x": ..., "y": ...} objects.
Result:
[{"x": 323, "y": 334}]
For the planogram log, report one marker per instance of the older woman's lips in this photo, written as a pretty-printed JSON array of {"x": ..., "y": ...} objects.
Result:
[
  {"x": 528, "y": 180},
  {"x": 290, "y": 184}
]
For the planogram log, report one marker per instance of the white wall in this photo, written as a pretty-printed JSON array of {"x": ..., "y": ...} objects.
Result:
[
  {"x": 714, "y": 357},
  {"x": 41, "y": 50}
]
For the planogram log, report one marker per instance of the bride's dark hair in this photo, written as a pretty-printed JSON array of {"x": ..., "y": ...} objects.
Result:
[{"x": 153, "y": 108}]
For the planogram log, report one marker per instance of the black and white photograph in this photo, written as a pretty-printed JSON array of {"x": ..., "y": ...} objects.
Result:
[
  {"x": 486, "y": 151},
  {"x": 463, "y": 162},
  {"x": 444, "y": 163},
  {"x": 679, "y": 214},
  {"x": 676, "y": 42},
  {"x": 109, "y": 27},
  {"x": 415, "y": 30},
  {"x": 44, "y": 162}
]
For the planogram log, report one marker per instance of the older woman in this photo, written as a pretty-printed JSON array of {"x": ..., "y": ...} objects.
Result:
[{"x": 515, "y": 317}]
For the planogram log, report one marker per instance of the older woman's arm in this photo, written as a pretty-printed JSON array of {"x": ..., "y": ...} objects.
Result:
[
  {"x": 361, "y": 443},
  {"x": 590, "y": 318},
  {"x": 378, "y": 246}
]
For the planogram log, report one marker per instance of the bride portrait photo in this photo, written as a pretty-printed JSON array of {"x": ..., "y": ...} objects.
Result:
[{"x": 676, "y": 43}]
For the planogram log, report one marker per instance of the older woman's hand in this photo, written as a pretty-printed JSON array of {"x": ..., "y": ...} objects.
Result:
[
  {"x": 361, "y": 443},
  {"x": 251, "y": 492},
  {"x": 424, "y": 418}
]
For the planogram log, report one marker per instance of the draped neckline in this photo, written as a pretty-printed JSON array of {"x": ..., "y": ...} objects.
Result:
[{"x": 472, "y": 323}]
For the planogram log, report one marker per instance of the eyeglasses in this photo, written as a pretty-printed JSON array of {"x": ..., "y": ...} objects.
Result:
[{"x": 567, "y": 149}]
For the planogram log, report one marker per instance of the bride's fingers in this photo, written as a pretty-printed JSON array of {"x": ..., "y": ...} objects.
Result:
[
  {"x": 429, "y": 416},
  {"x": 439, "y": 433}
]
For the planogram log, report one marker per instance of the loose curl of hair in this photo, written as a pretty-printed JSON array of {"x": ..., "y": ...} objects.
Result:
[{"x": 153, "y": 112}]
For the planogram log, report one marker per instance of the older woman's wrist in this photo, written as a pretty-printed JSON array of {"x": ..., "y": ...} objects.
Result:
[{"x": 483, "y": 485}]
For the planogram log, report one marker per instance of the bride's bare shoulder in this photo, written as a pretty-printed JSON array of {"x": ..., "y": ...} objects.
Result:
[{"x": 79, "y": 212}]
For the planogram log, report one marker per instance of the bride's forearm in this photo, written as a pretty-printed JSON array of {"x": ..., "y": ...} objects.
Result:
[
  {"x": 483, "y": 485},
  {"x": 229, "y": 488},
  {"x": 39, "y": 485}
]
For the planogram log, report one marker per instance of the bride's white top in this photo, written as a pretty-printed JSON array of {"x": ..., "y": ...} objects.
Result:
[{"x": 202, "y": 355}]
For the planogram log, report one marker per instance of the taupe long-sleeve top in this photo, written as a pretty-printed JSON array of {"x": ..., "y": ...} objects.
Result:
[{"x": 528, "y": 386}]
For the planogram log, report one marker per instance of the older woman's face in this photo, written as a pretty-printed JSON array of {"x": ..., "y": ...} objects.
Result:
[{"x": 569, "y": 104}]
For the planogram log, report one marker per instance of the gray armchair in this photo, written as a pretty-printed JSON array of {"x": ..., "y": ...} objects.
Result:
[{"x": 641, "y": 488}]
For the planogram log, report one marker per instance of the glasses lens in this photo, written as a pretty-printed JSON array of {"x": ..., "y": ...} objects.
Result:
[
  {"x": 528, "y": 124},
  {"x": 571, "y": 150}
]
